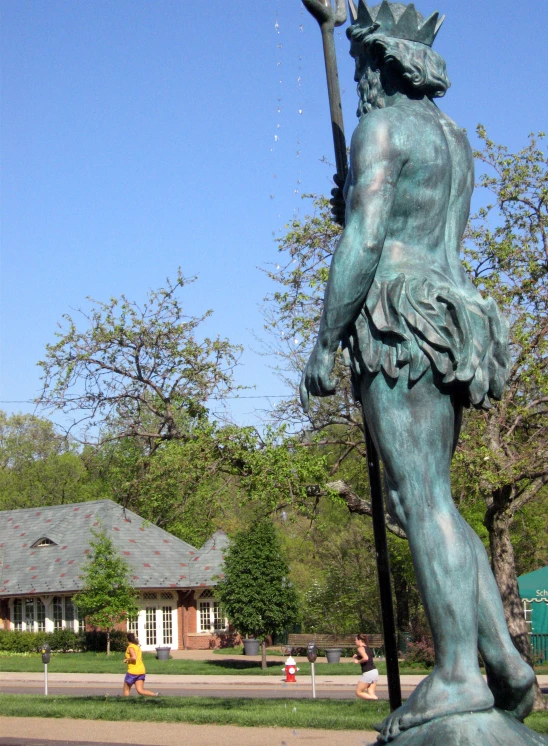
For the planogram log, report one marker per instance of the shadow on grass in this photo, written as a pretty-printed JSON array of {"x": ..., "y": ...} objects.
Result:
[
  {"x": 178, "y": 703},
  {"x": 234, "y": 664}
]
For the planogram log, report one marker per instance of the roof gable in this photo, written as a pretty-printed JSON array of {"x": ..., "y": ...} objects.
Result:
[{"x": 156, "y": 558}]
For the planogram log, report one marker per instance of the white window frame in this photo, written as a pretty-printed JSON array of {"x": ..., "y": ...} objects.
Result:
[
  {"x": 76, "y": 624},
  {"x": 164, "y": 603},
  {"x": 207, "y": 602},
  {"x": 25, "y": 623}
]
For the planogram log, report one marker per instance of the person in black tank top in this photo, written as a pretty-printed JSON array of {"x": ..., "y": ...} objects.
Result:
[{"x": 368, "y": 680}]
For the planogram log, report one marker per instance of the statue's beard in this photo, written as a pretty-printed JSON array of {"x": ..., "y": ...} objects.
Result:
[{"x": 370, "y": 91}]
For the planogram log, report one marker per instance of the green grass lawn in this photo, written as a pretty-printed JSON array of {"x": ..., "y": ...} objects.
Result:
[
  {"x": 289, "y": 713},
  {"x": 100, "y": 663},
  {"x": 329, "y": 714}
]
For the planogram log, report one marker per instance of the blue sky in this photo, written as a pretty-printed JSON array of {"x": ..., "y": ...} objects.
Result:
[{"x": 138, "y": 136}]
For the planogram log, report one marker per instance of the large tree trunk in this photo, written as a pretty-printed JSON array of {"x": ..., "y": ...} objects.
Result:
[
  {"x": 263, "y": 653},
  {"x": 401, "y": 594},
  {"x": 108, "y": 642},
  {"x": 504, "y": 569}
]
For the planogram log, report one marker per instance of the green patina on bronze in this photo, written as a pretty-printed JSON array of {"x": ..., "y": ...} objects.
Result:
[{"x": 422, "y": 343}]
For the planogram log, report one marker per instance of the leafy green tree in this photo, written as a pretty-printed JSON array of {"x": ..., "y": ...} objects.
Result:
[
  {"x": 136, "y": 370},
  {"x": 107, "y": 597},
  {"x": 344, "y": 597},
  {"x": 135, "y": 381},
  {"x": 38, "y": 465},
  {"x": 256, "y": 592}
]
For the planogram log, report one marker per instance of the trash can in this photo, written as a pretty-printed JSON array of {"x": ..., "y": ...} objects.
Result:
[
  {"x": 163, "y": 653},
  {"x": 333, "y": 655},
  {"x": 251, "y": 647}
]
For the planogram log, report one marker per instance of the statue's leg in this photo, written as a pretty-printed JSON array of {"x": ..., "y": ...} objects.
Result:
[
  {"x": 509, "y": 677},
  {"x": 413, "y": 428}
]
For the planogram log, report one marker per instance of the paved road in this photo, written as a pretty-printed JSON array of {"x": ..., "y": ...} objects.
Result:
[
  {"x": 227, "y": 692},
  {"x": 79, "y": 685}
]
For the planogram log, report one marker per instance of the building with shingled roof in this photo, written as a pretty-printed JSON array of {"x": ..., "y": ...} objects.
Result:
[{"x": 42, "y": 551}]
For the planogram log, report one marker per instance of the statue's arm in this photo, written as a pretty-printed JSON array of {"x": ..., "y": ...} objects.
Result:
[{"x": 376, "y": 162}]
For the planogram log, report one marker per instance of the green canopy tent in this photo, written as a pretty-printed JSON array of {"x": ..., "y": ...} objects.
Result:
[{"x": 533, "y": 589}]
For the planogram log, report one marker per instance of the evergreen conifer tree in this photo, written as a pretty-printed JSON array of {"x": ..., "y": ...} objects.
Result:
[{"x": 256, "y": 592}]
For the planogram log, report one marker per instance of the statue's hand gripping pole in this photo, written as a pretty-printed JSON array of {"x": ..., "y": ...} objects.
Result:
[{"x": 328, "y": 18}]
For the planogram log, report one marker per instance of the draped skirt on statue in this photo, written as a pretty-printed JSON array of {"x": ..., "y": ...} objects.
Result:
[{"x": 408, "y": 325}]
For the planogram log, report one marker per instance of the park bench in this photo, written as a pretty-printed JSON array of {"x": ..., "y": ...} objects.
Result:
[{"x": 376, "y": 642}]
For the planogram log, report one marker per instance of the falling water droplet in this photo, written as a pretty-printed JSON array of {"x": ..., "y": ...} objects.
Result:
[
  {"x": 276, "y": 138},
  {"x": 301, "y": 27},
  {"x": 300, "y": 111}
]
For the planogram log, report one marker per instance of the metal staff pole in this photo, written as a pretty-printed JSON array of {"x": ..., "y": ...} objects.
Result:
[{"x": 328, "y": 18}]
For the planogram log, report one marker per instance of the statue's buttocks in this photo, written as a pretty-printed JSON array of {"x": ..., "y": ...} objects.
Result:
[{"x": 412, "y": 323}]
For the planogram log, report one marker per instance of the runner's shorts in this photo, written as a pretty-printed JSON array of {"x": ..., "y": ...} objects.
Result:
[
  {"x": 132, "y": 678},
  {"x": 369, "y": 677}
]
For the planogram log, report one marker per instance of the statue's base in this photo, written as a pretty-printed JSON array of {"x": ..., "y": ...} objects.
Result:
[{"x": 490, "y": 728}]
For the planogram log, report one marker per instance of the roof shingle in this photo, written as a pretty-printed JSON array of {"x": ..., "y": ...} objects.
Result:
[{"x": 69, "y": 527}]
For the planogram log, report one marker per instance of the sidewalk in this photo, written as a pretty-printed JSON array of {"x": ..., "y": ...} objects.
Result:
[
  {"x": 273, "y": 655},
  {"x": 88, "y": 732}
]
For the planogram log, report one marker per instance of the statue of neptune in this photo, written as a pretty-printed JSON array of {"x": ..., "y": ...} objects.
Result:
[{"x": 422, "y": 344}]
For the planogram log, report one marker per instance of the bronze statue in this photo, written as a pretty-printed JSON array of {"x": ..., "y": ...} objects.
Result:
[{"x": 422, "y": 343}]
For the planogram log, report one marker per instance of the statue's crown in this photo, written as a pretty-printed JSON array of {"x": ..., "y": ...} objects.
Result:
[{"x": 396, "y": 20}]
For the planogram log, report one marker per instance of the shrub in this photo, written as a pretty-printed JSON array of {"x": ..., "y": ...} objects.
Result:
[
  {"x": 16, "y": 641},
  {"x": 96, "y": 641},
  {"x": 420, "y": 653},
  {"x": 63, "y": 640}
]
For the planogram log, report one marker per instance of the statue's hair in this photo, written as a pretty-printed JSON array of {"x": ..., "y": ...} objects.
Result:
[{"x": 417, "y": 64}]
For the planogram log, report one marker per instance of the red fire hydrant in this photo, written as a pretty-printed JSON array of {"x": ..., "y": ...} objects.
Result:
[{"x": 290, "y": 669}]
